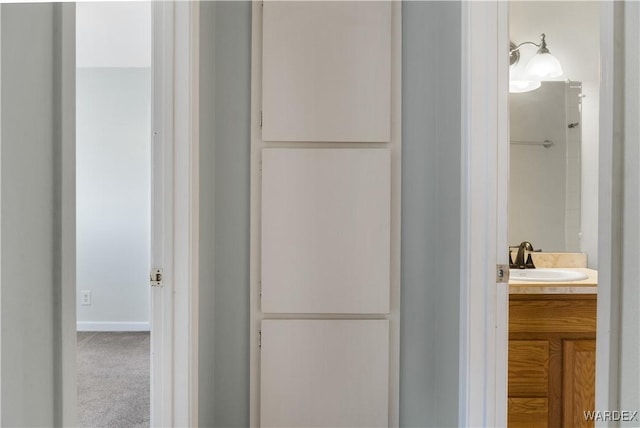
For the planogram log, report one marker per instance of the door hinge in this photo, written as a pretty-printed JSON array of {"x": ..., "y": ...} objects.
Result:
[
  {"x": 502, "y": 273},
  {"x": 156, "y": 278},
  {"x": 260, "y": 339},
  {"x": 260, "y": 289},
  {"x": 260, "y": 119}
]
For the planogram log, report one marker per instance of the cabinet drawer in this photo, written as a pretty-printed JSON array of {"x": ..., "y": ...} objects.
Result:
[
  {"x": 528, "y": 368},
  {"x": 552, "y": 316}
]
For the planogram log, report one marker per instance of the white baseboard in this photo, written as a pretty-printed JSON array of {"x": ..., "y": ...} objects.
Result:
[{"x": 112, "y": 326}]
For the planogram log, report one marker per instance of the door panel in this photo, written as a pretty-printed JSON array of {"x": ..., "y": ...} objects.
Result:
[
  {"x": 528, "y": 412},
  {"x": 324, "y": 373},
  {"x": 528, "y": 368},
  {"x": 578, "y": 381},
  {"x": 326, "y": 71},
  {"x": 326, "y": 230}
]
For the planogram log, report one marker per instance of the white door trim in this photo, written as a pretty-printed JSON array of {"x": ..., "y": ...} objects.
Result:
[
  {"x": 175, "y": 207},
  {"x": 610, "y": 208},
  {"x": 484, "y": 168}
]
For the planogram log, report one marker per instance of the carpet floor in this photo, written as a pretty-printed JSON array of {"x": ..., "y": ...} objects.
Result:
[{"x": 113, "y": 379}]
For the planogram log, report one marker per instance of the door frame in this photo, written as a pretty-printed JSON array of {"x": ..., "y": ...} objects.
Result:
[
  {"x": 175, "y": 213},
  {"x": 484, "y": 169},
  {"x": 484, "y": 172},
  {"x": 175, "y": 222},
  {"x": 610, "y": 221}
]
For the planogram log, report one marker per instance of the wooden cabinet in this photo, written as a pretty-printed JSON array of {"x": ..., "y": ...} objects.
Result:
[{"x": 551, "y": 360}]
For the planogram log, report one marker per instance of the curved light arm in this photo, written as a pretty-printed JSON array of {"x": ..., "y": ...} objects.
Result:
[
  {"x": 514, "y": 50},
  {"x": 517, "y": 47}
]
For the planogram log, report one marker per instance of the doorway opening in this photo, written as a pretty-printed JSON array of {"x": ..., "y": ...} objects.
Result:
[
  {"x": 113, "y": 212},
  {"x": 553, "y": 215}
]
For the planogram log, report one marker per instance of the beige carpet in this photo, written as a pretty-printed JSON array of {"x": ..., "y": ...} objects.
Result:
[{"x": 113, "y": 379}]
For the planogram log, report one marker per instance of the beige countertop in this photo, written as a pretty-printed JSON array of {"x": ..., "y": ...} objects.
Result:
[{"x": 586, "y": 286}]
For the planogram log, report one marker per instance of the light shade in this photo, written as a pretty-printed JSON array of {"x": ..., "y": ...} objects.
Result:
[
  {"x": 544, "y": 65},
  {"x": 518, "y": 86},
  {"x": 520, "y": 81}
]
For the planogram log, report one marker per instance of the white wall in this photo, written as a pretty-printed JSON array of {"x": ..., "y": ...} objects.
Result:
[
  {"x": 113, "y": 194},
  {"x": 113, "y": 34},
  {"x": 113, "y": 165},
  {"x": 572, "y": 30},
  {"x": 537, "y": 175}
]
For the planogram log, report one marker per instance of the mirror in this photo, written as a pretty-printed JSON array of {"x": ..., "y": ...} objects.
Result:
[{"x": 545, "y": 167}]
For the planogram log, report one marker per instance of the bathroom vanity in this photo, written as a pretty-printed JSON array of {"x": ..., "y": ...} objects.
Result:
[{"x": 552, "y": 349}]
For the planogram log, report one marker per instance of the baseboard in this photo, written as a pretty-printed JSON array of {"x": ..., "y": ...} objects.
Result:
[{"x": 112, "y": 326}]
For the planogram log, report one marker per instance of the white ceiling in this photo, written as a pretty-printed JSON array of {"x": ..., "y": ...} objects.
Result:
[{"x": 113, "y": 34}]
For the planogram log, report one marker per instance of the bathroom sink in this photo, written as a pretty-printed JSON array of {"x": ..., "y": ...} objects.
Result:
[{"x": 547, "y": 275}]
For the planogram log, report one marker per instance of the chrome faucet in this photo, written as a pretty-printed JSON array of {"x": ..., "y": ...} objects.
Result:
[{"x": 524, "y": 249}]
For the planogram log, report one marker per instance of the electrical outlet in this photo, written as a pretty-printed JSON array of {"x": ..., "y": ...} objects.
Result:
[{"x": 86, "y": 297}]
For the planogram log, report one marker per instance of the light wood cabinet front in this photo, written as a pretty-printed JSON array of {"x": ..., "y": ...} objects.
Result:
[{"x": 551, "y": 360}]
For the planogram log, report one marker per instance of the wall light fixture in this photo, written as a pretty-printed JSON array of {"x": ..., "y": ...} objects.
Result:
[{"x": 542, "y": 66}]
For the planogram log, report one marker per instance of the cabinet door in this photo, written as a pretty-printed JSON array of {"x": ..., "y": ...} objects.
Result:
[
  {"x": 528, "y": 368},
  {"x": 326, "y": 71},
  {"x": 326, "y": 230},
  {"x": 578, "y": 381},
  {"x": 324, "y": 373},
  {"x": 528, "y": 404},
  {"x": 528, "y": 413}
]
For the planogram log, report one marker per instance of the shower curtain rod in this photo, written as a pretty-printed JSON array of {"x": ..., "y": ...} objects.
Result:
[{"x": 546, "y": 143}]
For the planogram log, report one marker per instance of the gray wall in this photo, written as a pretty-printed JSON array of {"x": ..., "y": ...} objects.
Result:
[
  {"x": 430, "y": 222},
  {"x": 33, "y": 148},
  {"x": 225, "y": 79},
  {"x": 630, "y": 293},
  {"x": 431, "y": 144}
]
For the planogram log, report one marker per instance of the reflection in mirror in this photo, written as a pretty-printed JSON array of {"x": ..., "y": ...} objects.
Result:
[{"x": 544, "y": 176}]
